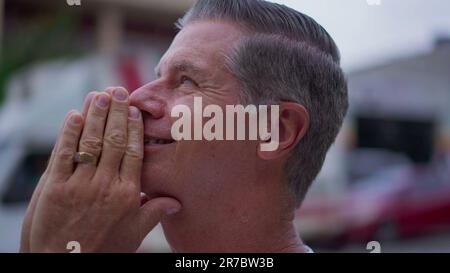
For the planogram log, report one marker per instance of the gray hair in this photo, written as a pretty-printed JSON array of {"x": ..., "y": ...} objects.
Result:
[{"x": 286, "y": 56}]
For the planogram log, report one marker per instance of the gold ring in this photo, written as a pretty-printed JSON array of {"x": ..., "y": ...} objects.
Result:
[{"x": 85, "y": 158}]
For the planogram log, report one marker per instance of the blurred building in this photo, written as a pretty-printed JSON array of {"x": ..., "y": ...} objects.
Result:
[
  {"x": 394, "y": 150},
  {"x": 414, "y": 88}
]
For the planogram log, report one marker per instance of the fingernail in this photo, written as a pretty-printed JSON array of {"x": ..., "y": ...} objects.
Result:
[
  {"x": 120, "y": 94},
  {"x": 102, "y": 101},
  {"x": 89, "y": 97},
  {"x": 134, "y": 113},
  {"x": 76, "y": 119},
  {"x": 171, "y": 211}
]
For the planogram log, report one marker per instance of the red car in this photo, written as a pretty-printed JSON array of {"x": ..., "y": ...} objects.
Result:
[{"x": 391, "y": 205}]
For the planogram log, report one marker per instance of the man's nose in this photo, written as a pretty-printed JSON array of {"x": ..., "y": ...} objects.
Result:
[{"x": 145, "y": 99}]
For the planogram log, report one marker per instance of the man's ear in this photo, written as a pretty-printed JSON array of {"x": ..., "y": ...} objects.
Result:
[{"x": 293, "y": 125}]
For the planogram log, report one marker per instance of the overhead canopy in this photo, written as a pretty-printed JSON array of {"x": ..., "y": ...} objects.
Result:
[
  {"x": 168, "y": 6},
  {"x": 154, "y": 10}
]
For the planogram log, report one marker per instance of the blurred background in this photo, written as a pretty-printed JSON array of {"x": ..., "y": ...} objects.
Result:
[{"x": 387, "y": 177}]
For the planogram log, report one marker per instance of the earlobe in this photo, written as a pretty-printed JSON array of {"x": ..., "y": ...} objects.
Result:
[{"x": 293, "y": 125}]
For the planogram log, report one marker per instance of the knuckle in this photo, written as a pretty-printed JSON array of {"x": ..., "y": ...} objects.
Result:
[
  {"x": 71, "y": 191},
  {"x": 116, "y": 139},
  {"x": 136, "y": 129},
  {"x": 104, "y": 177},
  {"x": 91, "y": 143},
  {"x": 65, "y": 154},
  {"x": 136, "y": 124},
  {"x": 120, "y": 108},
  {"x": 105, "y": 197},
  {"x": 75, "y": 197},
  {"x": 129, "y": 193},
  {"x": 119, "y": 197},
  {"x": 56, "y": 194},
  {"x": 134, "y": 151},
  {"x": 98, "y": 115},
  {"x": 70, "y": 134}
]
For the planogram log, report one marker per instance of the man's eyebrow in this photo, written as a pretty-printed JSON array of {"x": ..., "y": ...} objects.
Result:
[{"x": 183, "y": 66}]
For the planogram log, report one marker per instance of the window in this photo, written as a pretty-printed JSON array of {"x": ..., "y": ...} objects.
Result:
[{"x": 21, "y": 184}]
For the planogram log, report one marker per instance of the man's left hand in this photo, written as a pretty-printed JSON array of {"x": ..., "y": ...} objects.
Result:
[{"x": 98, "y": 206}]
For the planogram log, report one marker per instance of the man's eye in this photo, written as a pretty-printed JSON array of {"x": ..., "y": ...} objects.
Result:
[{"x": 187, "y": 80}]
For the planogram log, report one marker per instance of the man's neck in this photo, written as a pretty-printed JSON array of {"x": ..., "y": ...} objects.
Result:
[{"x": 256, "y": 227}]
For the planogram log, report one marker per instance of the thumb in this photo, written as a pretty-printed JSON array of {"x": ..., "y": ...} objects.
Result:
[{"x": 155, "y": 209}]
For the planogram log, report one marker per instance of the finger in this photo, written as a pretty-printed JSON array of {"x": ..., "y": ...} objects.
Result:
[
  {"x": 115, "y": 139},
  {"x": 90, "y": 97},
  {"x": 63, "y": 165},
  {"x": 153, "y": 211},
  {"x": 134, "y": 154},
  {"x": 52, "y": 156},
  {"x": 92, "y": 137},
  {"x": 26, "y": 225},
  {"x": 110, "y": 90},
  {"x": 87, "y": 103}
]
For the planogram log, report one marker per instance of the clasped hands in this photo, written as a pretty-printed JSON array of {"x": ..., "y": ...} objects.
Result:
[{"x": 99, "y": 206}]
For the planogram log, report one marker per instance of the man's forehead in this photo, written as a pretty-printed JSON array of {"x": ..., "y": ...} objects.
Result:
[
  {"x": 182, "y": 64},
  {"x": 207, "y": 32},
  {"x": 199, "y": 43},
  {"x": 183, "y": 61}
]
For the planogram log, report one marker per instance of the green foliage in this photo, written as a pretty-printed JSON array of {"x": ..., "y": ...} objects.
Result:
[{"x": 39, "y": 39}]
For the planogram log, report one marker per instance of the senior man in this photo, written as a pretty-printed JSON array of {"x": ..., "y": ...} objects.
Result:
[{"x": 210, "y": 196}]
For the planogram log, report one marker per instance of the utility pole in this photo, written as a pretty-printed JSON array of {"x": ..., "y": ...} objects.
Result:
[{"x": 109, "y": 30}]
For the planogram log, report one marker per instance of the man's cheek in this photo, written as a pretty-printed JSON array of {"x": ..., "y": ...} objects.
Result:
[
  {"x": 159, "y": 180},
  {"x": 151, "y": 180}
]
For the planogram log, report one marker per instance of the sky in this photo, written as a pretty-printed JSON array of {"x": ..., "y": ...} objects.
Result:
[{"x": 373, "y": 34}]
